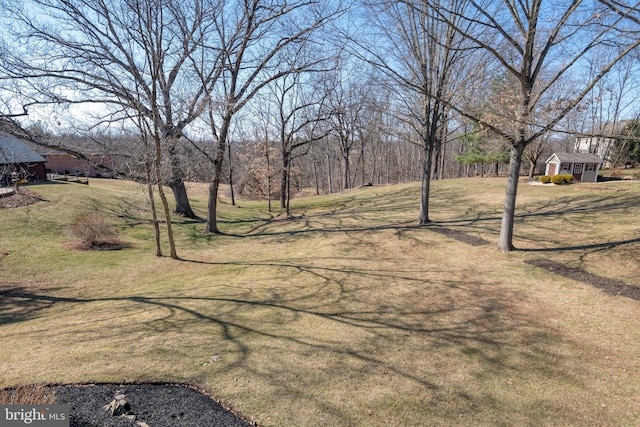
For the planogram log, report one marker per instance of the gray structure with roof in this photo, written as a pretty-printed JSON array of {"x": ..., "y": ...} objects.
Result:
[
  {"x": 17, "y": 156},
  {"x": 583, "y": 166}
]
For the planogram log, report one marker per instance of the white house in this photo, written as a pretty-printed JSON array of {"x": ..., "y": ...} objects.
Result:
[
  {"x": 603, "y": 140},
  {"x": 583, "y": 166},
  {"x": 594, "y": 144}
]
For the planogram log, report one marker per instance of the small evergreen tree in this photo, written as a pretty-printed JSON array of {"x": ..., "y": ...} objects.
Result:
[{"x": 481, "y": 150}]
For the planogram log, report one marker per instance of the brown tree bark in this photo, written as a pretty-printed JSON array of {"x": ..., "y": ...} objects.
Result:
[{"x": 505, "y": 240}]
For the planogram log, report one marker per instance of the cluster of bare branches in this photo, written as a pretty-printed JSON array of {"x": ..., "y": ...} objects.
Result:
[
  {"x": 549, "y": 58},
  {"x": 310, "y": 91},
  {"x": 159, "y": 66}
]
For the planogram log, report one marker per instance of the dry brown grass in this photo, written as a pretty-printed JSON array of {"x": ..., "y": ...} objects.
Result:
[
  {"x": 34, "y": 394},
  {"x": 346, "y": 314}
]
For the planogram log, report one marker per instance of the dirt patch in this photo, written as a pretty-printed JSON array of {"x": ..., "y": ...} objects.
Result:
[
  {"x": 23, "y": 197},
  {"x": 461, "y": 237},
  {"x": 609, "y": 286}
]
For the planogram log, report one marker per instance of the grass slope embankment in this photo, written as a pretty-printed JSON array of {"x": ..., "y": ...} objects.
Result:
[{"x": 345, "y": 314}]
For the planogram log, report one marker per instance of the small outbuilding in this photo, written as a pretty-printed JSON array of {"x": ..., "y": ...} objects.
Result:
[
  {"x": 16, "y": 156},
  {"x": 583, "y": 166}
]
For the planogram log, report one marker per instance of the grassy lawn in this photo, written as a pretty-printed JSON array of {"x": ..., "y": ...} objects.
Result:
[{"x": 345, "y": 314}]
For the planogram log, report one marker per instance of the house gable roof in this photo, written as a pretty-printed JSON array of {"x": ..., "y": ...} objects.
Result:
[
  {"x": 575, "y": 158},
  {"x": 13, "y": 150}
]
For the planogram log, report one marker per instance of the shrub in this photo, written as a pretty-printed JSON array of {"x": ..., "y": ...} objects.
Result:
[
  {"x": 557, "y": 179},
  {"x": 545, "y": 179},
  {"x": 92, "y": 231},
  {"x": 568, "y": 178}
]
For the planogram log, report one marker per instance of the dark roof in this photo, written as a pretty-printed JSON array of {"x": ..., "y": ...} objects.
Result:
[
  {"x": 14, "y": 150},
  {"x": 576, "y": 158}
]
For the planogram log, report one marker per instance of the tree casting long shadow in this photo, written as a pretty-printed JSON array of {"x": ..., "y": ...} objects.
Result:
[{"x": 475, "y": 324}]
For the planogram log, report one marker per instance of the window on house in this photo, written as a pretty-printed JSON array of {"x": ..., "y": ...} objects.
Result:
[
  {"x": 577, "y": 168},
  {"x": 565, "y": 167},
  {"x": 591, "y": 167}
]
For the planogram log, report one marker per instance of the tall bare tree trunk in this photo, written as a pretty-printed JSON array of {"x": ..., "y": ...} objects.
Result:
[
  {"x": 176, "y": 183},
  {"x": 315, "y": 176},
  {"x": 423, "y": 215},
  {"x": 214, "y": 187},
  {"x": 346, "y": 179},
  {"x": 212, "y": 207},
  {"x": 329, "y": 178},
  {"x": 266, "y": 155},
  {"x": 284, "y": 181},
  {"x": 163, "y": 198},
  {"x": 532, "y": 169},
  {"x": 167, "y": 214},
  {"x": 363, "y": 163},
  {"x": 183, "y": 207},
  {"x": 156, "y": 223},
  {"x": 154, "y": 213},
  {"x": 505, "y": 241},
  {"x": 233, "y": 196},
  {"x": 288, "y": 190}
]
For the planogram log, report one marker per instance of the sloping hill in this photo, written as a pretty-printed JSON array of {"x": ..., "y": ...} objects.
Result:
[{"x": 345, "y": 314}]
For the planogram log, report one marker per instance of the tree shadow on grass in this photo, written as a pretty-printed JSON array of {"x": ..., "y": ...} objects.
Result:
[
  {"x": 14, "y": 308},
  {"x": 373, "y": 218},
  {"x": 566, "y": 207},
  {"x": 562, "y": 206},
  {"x": 467, "y": 320},
  {"x": 591, "y": 246},
  {"x": 607, "y": 285}
]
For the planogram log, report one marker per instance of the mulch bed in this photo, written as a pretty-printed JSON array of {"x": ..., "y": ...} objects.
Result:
[
  {"x": 609, "y": 286},
  {"x": 22, "y": 198},
  {"x": 461, "y": 237},
  {"x": 154, "y": 405}
]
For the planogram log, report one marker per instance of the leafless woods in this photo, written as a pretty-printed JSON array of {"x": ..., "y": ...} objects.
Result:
[{"x": 273, "y": 97}]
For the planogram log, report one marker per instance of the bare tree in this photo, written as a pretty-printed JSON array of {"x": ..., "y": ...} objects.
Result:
[
  {"x": 346, "y": 102},
  {"x": 534, "y": 151},
  {"x": 250, "y": 34},
  {"x": 421, "y": 52},
  {"x": 543, "y": 47},
  {"x": 92, "y": 52},
  {"x": 297, "y": 115},
  {"x": 601, "y": 118}
]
